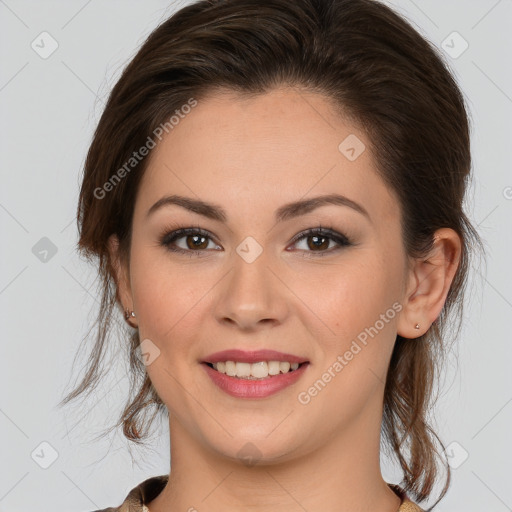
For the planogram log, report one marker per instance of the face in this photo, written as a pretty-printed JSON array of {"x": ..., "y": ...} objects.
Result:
[{"x": 252, "y": 275}]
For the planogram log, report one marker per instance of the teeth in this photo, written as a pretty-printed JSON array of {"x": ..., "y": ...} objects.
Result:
[
  {"x": 259, "y": 370},
  {"x": 230, "y": 368},
  {"x": 274, "y": 367}
]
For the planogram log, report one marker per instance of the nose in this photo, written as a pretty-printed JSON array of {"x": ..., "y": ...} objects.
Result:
[{"x": 252, "y": 296}]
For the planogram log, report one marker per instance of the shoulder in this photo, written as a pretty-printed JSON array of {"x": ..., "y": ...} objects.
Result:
[
  {"x": 407, "y": 505},
  {"x": 140, "y": 495}
]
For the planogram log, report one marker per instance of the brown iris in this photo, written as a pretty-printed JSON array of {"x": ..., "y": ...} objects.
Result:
[
  {"x": 315, "y": 246},
  {"x": 196, "y": 245}
]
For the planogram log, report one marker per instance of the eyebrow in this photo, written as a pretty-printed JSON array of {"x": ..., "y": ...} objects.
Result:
[{"x": 286, "y": 212}]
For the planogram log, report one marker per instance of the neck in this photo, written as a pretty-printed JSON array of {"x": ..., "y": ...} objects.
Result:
[{"x": 343, "y": 475}]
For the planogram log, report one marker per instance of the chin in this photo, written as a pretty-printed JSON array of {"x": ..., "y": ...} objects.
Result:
[{"x": 258, "y": 450}]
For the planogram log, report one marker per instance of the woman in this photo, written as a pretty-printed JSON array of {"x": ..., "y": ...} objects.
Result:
[{"x": 274, "y": 195}]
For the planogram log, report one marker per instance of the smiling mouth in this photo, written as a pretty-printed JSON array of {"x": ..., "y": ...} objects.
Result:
[{"x": 255, "y": 371}]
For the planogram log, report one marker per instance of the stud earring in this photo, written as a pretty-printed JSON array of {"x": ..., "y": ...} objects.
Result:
[
  {"x": 128, "y": 314},
  {"x": 417, "y": 326}
]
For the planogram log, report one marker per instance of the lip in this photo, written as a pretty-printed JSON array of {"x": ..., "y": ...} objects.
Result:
[
  {"x": 245, "y": 388},
  {"x": 255, "y": 356}
]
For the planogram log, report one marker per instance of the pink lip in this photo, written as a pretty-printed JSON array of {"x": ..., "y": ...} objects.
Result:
[
  {"x": 243, "y": 356},
  {"x": 245, "y": 388}
]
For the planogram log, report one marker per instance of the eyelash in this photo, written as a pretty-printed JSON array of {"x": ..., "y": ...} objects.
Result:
[{"x": 171, "y": 236}]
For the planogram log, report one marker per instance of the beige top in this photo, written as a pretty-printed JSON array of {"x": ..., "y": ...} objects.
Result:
[{"x": 149, "y": 489}]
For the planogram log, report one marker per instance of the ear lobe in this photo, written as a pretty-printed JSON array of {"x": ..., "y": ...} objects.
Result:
[
  {"x": 430, "y": 280},
  {"x": 123, "y": 290}
]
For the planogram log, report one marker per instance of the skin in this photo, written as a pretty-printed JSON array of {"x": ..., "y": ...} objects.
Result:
[{"x": 251, "y": 156}]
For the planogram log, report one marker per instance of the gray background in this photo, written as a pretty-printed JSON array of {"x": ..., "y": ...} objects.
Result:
[{"x": 49, "y": 108}]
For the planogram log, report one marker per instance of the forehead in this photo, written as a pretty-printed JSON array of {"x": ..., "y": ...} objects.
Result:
[{"x": 262, "y": 151}]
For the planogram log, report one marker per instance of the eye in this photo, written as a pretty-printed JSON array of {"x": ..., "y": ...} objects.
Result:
[
  {"x": 318, "y": 240},
  {"x": 194, "y": 241}
]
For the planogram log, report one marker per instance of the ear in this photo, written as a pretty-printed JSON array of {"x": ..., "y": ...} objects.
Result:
[
  {"x": 428, "y": 283},
  {"x": 121, "y": 271}
]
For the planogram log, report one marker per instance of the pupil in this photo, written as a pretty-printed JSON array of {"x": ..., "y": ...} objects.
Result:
[
  {"x": 196, "y": 240},
  {"x": 316, "y": 240}
]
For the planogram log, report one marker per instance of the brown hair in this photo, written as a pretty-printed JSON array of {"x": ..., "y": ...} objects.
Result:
[{"x": 377, "y": 70}]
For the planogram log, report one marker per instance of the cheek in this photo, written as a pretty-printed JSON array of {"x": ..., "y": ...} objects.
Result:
[
  {"x": 347, "y": 298},
  {"x": 170, "y": 301},
  {"x": 169, "y": 298},
  {"x": 359, "y": 306}
]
